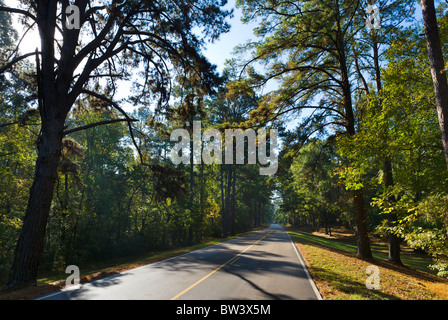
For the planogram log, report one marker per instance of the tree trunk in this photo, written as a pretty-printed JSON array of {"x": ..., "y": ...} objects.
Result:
[
  {"x": 438, "y": 71},
  {"x": 376, "y": 63},
  {"x": 363, "y": 243},
  {"x": 228, "y": 200},
  {"x": 32, "y": 237},
  {"x": 224, "y": 215},
  {"x": 190, "y": 228},
  {"x": 233, "y": 203},
  {"x": 201, "y": 201},
  {"x": 53, "y": 110},
  {"x": 394, "y": 241}
]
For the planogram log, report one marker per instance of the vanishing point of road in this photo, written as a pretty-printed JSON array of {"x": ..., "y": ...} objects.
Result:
[{"x": 263, "y": 265}]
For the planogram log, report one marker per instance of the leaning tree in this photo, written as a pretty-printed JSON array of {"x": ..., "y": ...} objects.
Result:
[{"x": 86, "y": 48}]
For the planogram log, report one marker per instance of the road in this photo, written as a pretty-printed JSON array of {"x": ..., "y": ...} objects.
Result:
[{"x": 264, "y": 265}]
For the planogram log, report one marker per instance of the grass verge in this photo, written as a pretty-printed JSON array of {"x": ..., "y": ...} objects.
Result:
[{"x": 340, "y": 275}]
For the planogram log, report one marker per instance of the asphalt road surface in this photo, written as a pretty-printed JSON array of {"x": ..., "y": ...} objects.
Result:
[{"x": 264, "y": 265}]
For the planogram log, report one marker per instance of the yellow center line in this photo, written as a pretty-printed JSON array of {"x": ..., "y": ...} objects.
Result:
[{"x": 219, "y": 268}]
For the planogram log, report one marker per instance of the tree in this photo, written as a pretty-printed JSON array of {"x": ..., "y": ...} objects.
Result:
[
  {"x": 120, "y": 36},
  {"x": 438, "y": 72},
  {"x": 191, "y": 93},
  {"x": 372, "y": 46},
  {"x": 409, "y": 116},
  {"x": 315, "y": 184},
  {"x": 18, "y": 127},
  {"x": 229, "y": 109},
  {"x": 307, "y": 46}
]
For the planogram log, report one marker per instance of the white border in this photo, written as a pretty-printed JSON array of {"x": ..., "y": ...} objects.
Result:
[{"x": 305, "y": 268}]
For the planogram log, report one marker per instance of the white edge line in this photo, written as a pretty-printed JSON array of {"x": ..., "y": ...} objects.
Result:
[{"x": 305, "y": 268}]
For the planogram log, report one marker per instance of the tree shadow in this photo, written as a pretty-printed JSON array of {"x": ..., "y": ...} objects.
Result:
[
  {"x": 81, "y": 292},
  {"x": 351, "y": 287},
  {"x": 245, "y": 258},
  {"x": 264, "y": 292},
  {"x": 347, "y": 248}
]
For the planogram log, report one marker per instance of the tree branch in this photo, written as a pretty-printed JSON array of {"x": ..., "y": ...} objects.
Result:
[
  {"x": 14, "y": 61},
  {"x": 96, "y": 124},
  {"x": 2, "y": 125},
  {"x": 15, "y": 10}
]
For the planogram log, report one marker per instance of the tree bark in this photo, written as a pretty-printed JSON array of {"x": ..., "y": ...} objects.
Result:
[
  {"x": 190, "y": 228},
  {"x": 363, "y": 242},
  {"x": 362, "y": 237},
  {"x": 394, "y": 241},
  {"x": 224, "y": 215},
  {"x": 32, "y": 237},
  {"x": 53, "y": 111},
  {"x": 228, "y": 200},
  {"x": 233, "y": 203},
  {"x": 438, "y": 71}
]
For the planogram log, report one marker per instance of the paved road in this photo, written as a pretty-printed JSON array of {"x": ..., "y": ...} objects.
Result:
[{"x": 259, "y": 266}]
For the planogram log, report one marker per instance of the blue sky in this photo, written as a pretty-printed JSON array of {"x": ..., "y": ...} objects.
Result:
[{"x": 222, "y": 49}]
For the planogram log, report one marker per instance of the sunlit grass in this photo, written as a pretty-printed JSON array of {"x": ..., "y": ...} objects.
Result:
[{"x": 339, "y": 274}]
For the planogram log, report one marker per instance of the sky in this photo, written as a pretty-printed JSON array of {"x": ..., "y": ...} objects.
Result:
[
  {"x": 217, "y": 52},
  {"x": 239, "y": 33}
]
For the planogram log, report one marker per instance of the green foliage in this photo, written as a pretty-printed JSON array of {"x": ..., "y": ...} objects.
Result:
[
  {"x": 107, "y": 205},
  {"x": 425, "y": 226},
  {"x": 112, "y": 200},
  {"x": 314, "y": 187},
  {"x": 401, "y": 124},
  {"x": 18, "y": 127},
  {"x": 394, "y": 154}
]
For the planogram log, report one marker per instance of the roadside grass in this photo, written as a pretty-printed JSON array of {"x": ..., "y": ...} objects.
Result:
[
  {"x": 340, "y": 275},
  {"x": 51, "y": 282}
]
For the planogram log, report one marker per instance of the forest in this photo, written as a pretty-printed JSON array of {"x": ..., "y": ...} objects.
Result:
[{"x": 359, "y": 98}]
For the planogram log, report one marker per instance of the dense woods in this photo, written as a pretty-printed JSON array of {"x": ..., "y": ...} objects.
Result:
[{"x": 85, "y": 121}]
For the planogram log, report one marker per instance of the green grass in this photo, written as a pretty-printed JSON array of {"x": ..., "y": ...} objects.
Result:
[
  {"x": 379, "y": 249},
  {"x": 339, "y": 274}
]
